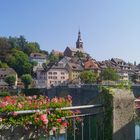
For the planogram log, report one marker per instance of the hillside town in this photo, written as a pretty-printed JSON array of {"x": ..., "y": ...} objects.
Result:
[{"x": 65, "y": 68}]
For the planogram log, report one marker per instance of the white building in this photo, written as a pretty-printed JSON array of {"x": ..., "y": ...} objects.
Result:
[
  {"x": 39, "y": 58},
  {"x": 54, "y": 75}
]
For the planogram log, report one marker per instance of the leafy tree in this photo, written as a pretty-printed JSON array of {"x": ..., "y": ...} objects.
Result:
[
  {"x": 3, "y": 65},
  {"x": 109, "y": 74},
  {"x": 32, "y": 47},
  {"x": 53, "y": 58},
  {"x": 88, "y": 77},
  {"x": 34, "y": 63},
  {"x": 11, "y": 79},
  {"x": 44, "y": 52},
  {"x": 27, "y": 80},
  {"x": 22, "y": 42},
  {"x": 13, "y": 41},
  {"x": 5, "y": 48},
  {"x": 20, "y": 62}
]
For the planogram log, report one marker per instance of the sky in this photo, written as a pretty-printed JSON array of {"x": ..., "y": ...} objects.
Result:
[{"x": 109, "y": 28}]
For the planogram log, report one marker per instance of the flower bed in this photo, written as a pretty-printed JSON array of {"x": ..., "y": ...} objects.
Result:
[{"x": 36, "y": 111}]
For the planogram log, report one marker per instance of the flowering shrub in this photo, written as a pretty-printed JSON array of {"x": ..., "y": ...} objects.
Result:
[{"x": 45, "y": 114}]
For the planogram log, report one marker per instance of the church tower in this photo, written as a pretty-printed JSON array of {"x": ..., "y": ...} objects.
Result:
[{"x": 79, "y": 43}]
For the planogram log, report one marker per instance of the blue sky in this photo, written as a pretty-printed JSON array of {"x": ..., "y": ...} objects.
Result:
[{"x": 109, "y": 28}]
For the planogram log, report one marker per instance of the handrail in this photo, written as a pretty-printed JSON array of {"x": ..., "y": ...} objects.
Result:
[
  {"x": 51, "y": 109},
  {"x": 83, "y": 115}
]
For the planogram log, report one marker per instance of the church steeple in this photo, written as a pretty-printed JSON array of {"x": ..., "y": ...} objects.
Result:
[{"x": 79, "y": 43}]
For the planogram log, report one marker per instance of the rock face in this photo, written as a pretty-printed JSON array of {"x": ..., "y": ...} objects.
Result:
[{"x": 123, "y": 114}]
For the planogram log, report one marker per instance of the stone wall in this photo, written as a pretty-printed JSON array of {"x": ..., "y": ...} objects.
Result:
[
  {"x": 80, "y": 96},
  {"x": 123, "y": 115}
]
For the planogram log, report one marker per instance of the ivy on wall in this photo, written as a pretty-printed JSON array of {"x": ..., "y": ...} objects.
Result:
[{"x": 105, "y": 97}]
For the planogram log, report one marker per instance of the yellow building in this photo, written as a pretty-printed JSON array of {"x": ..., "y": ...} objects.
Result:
[{"x": 74, "y": 72}]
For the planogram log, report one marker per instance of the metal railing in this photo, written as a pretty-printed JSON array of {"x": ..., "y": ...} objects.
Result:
[{"x": 91, "y": 126}]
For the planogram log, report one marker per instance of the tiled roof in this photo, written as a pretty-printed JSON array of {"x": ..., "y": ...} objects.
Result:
[
  {"x": 91, "y": 64},
  {"x": 117, "y": 60},
  {"x": 75, "y": 67},
  {"x": 65, "y": 59},
  {"x": 37, "y": 56}
]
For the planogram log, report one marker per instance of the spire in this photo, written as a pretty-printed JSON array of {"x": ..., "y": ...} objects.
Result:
[
  {"x": 79, "y": 43},
  {"x": 79, "y": 35}
]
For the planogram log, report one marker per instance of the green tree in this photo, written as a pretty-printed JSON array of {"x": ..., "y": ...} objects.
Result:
[
  {"x": 88, "y": 77},
  {"x": 21, "y": 44},
  {"x": 53, "y": 58},
  {"x": 109, "y": 74},
  {"x": 32, "y": 47},
  {"x": 13, "y": 41},
  {"x": 11, "y": 79},
  {"x": 44, "y": 52},
  {"x": 3, "y": 65},
  {"x": 20, "y": 62},
  {"x": 21, "y": 41},
  {"x": 27, "y": 80},
  {"x": 5, "y": 48}
]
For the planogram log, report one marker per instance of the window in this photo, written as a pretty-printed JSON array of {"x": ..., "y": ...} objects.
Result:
[
  {"x": 62, "y": 77},
  {"x": 50, "y": 73},
  {"x": 55, "y": 73},
  {"x": 50, "y": 77},
  {"x": 62, "y": 73},
  {"x": 54, "y": 77}
]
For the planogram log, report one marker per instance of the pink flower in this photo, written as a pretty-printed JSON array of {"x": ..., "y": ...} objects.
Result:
[
  {"x": 19, "y": 105},
  {"x": 53, "y": 128},
  {"x": 69, "y": 98},
  {"x": 14, "y": 101},
  {"x": 45, "y": 121},
  {"x": 43, "y": 116},
  {"x": 34, "y": 97},
  {"x": 7, "y": 98},
  {"x": 14, "y": 114},
  {"x": 3, "y": 104},
  {"x": 59, "y": 120},
  {"x": 78, "y": 119},
  {"x": 30, "y": 97},
  {"x": 55, "y": 100},
  {"x": 65, "y": 124}
]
